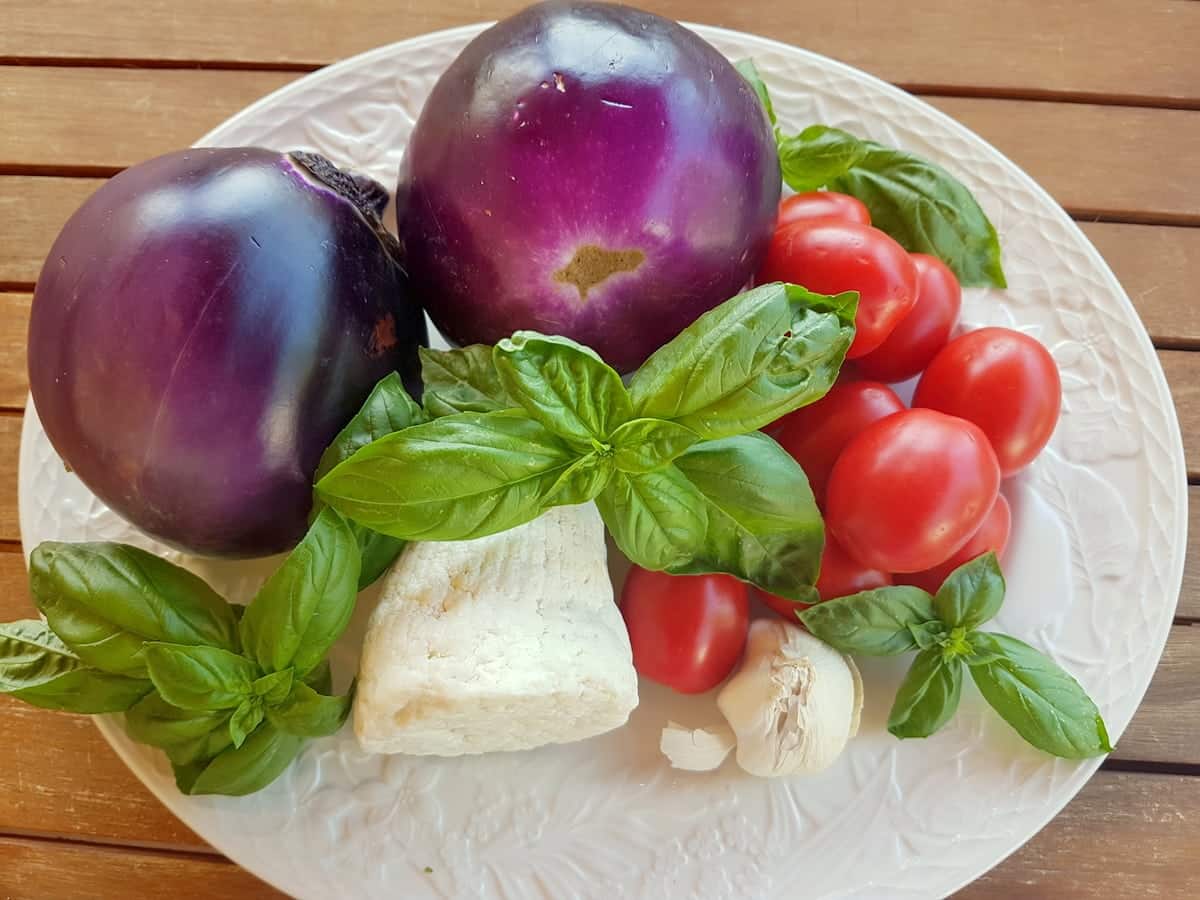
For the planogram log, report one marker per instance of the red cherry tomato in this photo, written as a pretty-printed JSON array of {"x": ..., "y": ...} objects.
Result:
[
  {"x": 840, "y": 575},
  {"x": 687, "y": 631},
  {"x": 815, "y": 434},
  {"x": 911, "y": 489},
  {"x": 830, "y": 256},
  {"x": 822, "y": 205},
  {"x": 924, "y": 331},
  {"x": 992, "y": 535},
  {"x": 1003, "y": 381}
]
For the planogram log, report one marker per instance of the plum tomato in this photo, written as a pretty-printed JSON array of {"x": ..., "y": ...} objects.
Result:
[
  {"x": 687, "y": 631},
  {"x": 1002, "y": 380},
  {"x": 924, "y": 331},
  {"x": 992, "y": 535},
  {"x": 911, "y": 489},
  {"x": 822, "y": 205},
  {"x": 815, "y": 434},
  {"x": 830, "y": 256}
]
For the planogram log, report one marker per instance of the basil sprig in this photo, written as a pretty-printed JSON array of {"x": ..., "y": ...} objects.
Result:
[
  {"x": 917, "y": 202},
  {"x": 683, "y": 480},
  {"x": 1044, "y": 704},
  {"x": 230, "y": 696}
]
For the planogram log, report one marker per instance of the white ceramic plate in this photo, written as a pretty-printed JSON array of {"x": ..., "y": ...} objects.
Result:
[{"x": 1094, "y": 572}]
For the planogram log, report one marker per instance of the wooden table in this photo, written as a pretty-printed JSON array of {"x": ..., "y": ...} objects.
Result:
[{"x": 1099, "y": 101}]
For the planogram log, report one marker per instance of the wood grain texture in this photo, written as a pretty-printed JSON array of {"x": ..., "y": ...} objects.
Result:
[
  {"x": 10, "y": 441},
  {"x": 1096, "y": 160},
  {"x": 33, "y": 210},
  {"x": 110, "y": 118},
  {"x": 14, "y": 321},
  {"x": 1183, "y": 375},
  {"x": 104, "y": 119},
  {"x": 55, "y": 870},
  {"x": 1091, "y": 48},
  {"x": 1166, "y": 726},
  {"x": 1124, "y": 835}
]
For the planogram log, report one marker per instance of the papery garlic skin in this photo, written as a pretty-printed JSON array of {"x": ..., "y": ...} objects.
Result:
[{"x": 794, "y": 703}]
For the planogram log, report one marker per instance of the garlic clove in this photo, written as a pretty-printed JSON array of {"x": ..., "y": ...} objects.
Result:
[
  {"x": 794, "y": 703},
  {"x": 696, "y": 749}
]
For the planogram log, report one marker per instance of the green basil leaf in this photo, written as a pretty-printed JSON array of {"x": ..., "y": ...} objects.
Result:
[
  {"x": 971, "y": 594},
  {"x": 749, "y": 71},
  {"x": 1045, "y": 705},
  {"x": 643, "y": 445},
  {"x": 657, "y": 519},
  {"x": 199, "y": 677},
  {"x": 455, "y": 478},
  {"x": 564, "y": 385},
  {"x": 245, "y": 719},
  {"x": 307, "y": 713},
  {"x": 376, "y": 552},
  {"x": 873, "y": 623},
  {"x": 582, "y": 480},
  {"x": 460, "y": 381},
  {"x": 186, "y": 735},
  {"x": 928, "y": 634},
  {"x": 983, "y": 649},
  {"x": 387, "y": 409},
  {"x": 274, "y": 686},
  {"x": 817, "y": 156},
  {"x": 251, "y": 767},
  {"x": 747, "y": 362},
  {"x": 927, "y": 210},
  {"x": 320, "y": 679},
  {"x": 106, "y": 600},
  {"x": 928, "y": 697},
  {"x": 38, "y": 668},
  {"x": 187, "y": 773},
  {"x": 762, "y": 522},
  {"x": 306, "y": 603}
]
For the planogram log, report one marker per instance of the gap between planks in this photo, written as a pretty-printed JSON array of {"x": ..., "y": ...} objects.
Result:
[{"x": 998, "y": 92}]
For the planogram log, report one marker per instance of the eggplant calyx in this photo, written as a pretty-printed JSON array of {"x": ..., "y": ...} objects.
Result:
[{"x": 366, "y": 194}]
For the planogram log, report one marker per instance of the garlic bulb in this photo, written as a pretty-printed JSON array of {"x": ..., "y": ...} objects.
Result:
[
  {"x": 794, "y": 703},
  {"x": 696, "y": 749}
]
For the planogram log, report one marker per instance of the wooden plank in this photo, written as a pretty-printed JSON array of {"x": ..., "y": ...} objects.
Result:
[
  {"x": 40, "y": 870},
  {"x": 1183, "y": 375},
  {"x": 110, "y": 118},
  {"x": 1124, "y": 835},
  {"x": 1096, "y": 160},
  {"x": 10, "y": 441},
  {"x": 33, "y": 211},
  {"x": 1159, "y": 267},
  {"x": 1165, "y": 726},
  {"x": 1131, "y": 833},
  {"x": 104, "y": 119},
  {"x": 14, "y": 319},
  {"x": 1189, "y": 594},
  {"x": 1024, "y": 45}
]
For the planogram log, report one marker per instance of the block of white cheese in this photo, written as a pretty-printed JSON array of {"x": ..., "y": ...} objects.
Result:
[{"x": 507, "y": 642}]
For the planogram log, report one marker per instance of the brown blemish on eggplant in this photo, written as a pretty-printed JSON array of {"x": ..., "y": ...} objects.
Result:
[
  {"x": 383, "y": 337},
  {"x": 592, "y": 265}
]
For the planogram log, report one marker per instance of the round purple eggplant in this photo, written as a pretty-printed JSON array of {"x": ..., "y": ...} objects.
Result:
[
  {"x": 204, "y": 326},
  {"x": 590, "y": 170}
]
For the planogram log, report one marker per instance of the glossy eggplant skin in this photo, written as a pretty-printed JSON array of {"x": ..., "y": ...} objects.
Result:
[
  {"x": 586, "y": 169},
  {"x": 203, "y": 327}
]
